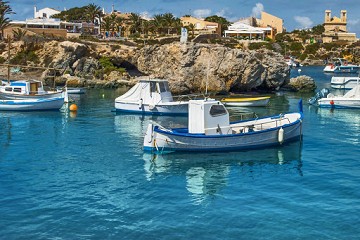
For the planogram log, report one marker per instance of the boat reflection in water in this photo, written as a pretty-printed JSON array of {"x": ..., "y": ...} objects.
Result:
[{"x": 207, "y": 174}]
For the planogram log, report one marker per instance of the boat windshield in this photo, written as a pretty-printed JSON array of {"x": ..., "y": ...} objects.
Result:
[
  {"x": 217, "y": 110},
  {"x": 163, "y": 87}
]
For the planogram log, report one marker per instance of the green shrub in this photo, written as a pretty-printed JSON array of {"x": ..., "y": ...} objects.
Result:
[
  {"x": 258, "y": 45},
  {"x": 24, "y": 56}
]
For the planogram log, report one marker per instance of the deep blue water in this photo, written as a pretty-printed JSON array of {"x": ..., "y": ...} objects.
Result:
[{"x": 85, "y": 176}]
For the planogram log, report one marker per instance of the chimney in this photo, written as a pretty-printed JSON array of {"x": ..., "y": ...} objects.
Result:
[
  {"x": 34, "y": 11},
  {"x": 112, "y": 8}
]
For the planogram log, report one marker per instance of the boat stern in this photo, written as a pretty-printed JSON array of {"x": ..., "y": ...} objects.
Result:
[{"x": 149, "y": 142}]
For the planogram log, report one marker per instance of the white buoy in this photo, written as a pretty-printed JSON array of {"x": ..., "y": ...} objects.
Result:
[
  {"x": 299, "y": 70},
  {"x": 281, "y": 135}
]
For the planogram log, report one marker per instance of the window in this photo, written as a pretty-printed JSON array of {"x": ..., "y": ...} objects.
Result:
[
  {"x": 217, "y": 110},
  {"x": 8, "y": 89},
  {"x": 17, "y": 90},
  {"x": 163, "y": 87},
  {"x": 152, "y": 86}
]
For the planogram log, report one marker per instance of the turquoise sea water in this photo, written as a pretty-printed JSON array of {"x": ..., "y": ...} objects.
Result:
[{"x": 85, "y": 176}]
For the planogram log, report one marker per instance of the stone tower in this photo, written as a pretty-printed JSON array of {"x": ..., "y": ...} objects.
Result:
[
  {"x": 327, "y": 16},
  {"x": 343, "y": 16}
]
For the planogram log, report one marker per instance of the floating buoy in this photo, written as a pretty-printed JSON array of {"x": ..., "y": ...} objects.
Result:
[
  {"x": 281, "y": 135},
  {"x": 73, "y": 107}
]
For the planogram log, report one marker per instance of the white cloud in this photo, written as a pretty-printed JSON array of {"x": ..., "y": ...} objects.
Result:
[
  {"x": 256, "y": 11},
  {"x": 146, "y": 15},
  {"x": 304, "y": 22},
  {"x": 353, "y": 21},
  {"x": 202, "y": 13}
]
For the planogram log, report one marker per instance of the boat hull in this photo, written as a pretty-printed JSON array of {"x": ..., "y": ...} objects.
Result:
[
  {"x": 344, "y": 82},
  {"x": 160, "y": 140},
  {"x": 31, "y": 104},
  {"x": 171, "y": 108},
  {"x": 251, "y": 102},
  {"x": 342, "y": 69},
  {"x": 4, "y": 95},
  {"x": 338, "y": 102}
]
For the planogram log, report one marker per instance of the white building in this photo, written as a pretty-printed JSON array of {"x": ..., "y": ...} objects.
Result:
[
  {"x": 245, "y": 31},
  {"x": 45, "y": 12}
]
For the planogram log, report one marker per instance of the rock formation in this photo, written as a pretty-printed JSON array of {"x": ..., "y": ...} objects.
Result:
[
  {"x": 191, "y": 67},
  {"x": 301, "y": 84}
]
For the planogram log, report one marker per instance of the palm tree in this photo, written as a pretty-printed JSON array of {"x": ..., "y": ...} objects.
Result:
[
  {"x": 158, "y": 23},
  {"x": 5, "y": 9},
  {"x": 135, "y": 22},
  {"x": 191, "y": 27},
  {"x": 106, "y": 24},
  {"x": 19, "y": 34},
  {"x": 92, "y": 12},
  {"x": 168, "y": 19}
]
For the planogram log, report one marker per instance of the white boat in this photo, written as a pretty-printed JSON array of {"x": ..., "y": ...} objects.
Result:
[
  {"x": 246, "y": 102},
  {"x": 344, "y": 82},
  {"x": 71, "y": 90},
  {"x": 151, "y": 97},
  {"x": 32, "y": 104},
  {"x": 209, "y": 129},
  {"x": 341, "y": 65},
  {"x": 325, "y": 99},
  {"x": 26, "y": 89},
  {"x": 292, "y": 63}
]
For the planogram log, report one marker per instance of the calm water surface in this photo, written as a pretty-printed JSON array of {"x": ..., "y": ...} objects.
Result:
[{"x": 85, "y": 176}]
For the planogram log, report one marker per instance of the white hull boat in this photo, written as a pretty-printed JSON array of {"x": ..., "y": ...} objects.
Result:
[
  {"x": 341, "y": 65},
  {"x": 246, "y": 102},
  {"x": 346, "y": 83},
  {"x": 151, "y": 97},
  {"x": 29, "y": 89},
  {"x": 32, "y": 104},
  {"x": 210, "y": 130},
  {"x": 325, "y": 99}
]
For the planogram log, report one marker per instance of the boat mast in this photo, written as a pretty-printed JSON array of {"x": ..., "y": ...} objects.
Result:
[{"x": 8, "y": 67}]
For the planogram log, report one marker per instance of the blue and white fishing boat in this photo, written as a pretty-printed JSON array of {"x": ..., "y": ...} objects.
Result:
[
  {"x": 209, "y": 129},
  {"x": 341, "y": 65},
  {"x": 151, "y": 97},
  {"x": 27, "y": 89},
  {"x": 345, "y": 83},
  {"x": 38, "y": 104}
]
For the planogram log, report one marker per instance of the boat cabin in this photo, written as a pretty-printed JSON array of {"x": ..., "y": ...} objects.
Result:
[
  {"x": 152, "y": 91},
  {"x": 29, "y": 87},
  {"x": 208, "y": 117}
]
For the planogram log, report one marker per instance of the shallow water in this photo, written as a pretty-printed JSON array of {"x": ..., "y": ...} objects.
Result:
[{"x": 85, "y": 176}]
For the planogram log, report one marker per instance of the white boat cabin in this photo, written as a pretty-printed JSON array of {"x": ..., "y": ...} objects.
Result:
[
  {"x": 208, "y": 117},
  {"x": 29, "y": 87},
  {"x": 148, "y": 92}
]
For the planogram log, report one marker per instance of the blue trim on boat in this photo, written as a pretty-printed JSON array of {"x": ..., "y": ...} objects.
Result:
[
  {"x": 336, "y": 106},
  {"x": 223, "y": 149},
  {"x": 17, "y": 84},
  {"x": 150, "y": 113}
]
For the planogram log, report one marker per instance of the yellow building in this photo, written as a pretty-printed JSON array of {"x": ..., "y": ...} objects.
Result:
[
  {"x": 201, "y": 26},
  {"x": 268, "y": 20},
  {"x": 335, "y": 28}
]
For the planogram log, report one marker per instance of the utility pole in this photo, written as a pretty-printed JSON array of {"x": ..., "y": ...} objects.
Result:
[{"x": 8, "y": 67}]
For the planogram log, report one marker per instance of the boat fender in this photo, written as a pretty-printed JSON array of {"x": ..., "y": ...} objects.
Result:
[
  {"x": 281, "y": 135},
  {"x": 332, "y": 102},
  {"x": 151, "y": 107},
  {"x": 140, "y": 103}
]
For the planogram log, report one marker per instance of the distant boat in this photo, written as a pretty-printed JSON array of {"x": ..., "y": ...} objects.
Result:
[
  {"x": 344, "y": 82},
  {"x": 209, "y": 129},
  {"x": 292, "y": 63},
  {"x": 26, "y": 89},
  {"x": 73, "y": 90},
  {"x": 151, "y": 97},
  {"x": 246, "y": 102},
  {"x": 341, "y": 65},
  {"x": 325, "y": 99},
  {"x": 32, "y": 104}
]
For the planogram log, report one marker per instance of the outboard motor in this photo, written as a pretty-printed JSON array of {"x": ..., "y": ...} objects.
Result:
[{"x": 320, "y": 94}]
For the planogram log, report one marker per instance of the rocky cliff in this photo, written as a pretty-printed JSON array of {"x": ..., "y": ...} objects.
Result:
[{"x": 190, "y": 67}]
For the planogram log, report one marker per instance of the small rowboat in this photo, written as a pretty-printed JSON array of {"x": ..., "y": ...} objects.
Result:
[{"x": 246, "y": 102}]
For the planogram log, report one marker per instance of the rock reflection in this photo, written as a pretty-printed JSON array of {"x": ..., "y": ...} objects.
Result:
[{"x": 207, "y": 174}]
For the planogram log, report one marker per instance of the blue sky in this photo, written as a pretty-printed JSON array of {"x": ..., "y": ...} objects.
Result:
[{"x": 296, "y": 13}]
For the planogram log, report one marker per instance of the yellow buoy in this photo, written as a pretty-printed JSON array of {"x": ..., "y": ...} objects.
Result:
[{"x": 73, "y": 107}]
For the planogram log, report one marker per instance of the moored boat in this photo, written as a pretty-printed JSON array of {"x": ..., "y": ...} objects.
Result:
[
  {"x": 246, "y": 102},
  {"x": 341, "y": 65},
  {"x": 151, "y": 97},
  {"x": 32, "y": 104},
  {"x": 344, "y": 82},
  {"x": 209, "y": 129},
  {"x": 325, "y": 99}
]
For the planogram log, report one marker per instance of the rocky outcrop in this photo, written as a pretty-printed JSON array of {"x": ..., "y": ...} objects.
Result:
[
  {"x": 301, "y": 84},
  {"x": 191, "y": 67}
]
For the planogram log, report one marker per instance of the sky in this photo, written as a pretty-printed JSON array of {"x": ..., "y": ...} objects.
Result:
[{"x": 297, "y": 14}]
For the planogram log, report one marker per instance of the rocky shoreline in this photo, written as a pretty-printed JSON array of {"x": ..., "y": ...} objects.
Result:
[{"x": 190, "y": 67}]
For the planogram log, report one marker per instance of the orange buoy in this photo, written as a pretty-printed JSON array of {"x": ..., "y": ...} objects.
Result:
[
  {"x": 73, "y": 107},
  {"x": 332, "y": 102}
]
